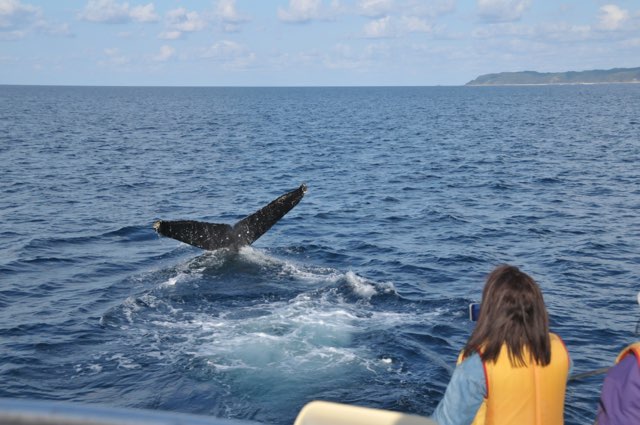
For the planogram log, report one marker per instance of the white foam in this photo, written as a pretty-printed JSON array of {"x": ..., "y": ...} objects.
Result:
[
  {"x": 311, "y": 276},
  {"x": 172, "y": 281},
  {"x": 296, "y": 336},
  {"x": 314, "y": 275},
  {"x": 360, "y": 286},
  {"x": 184, "y": 275},
  {"x": 124, "y": 362},
  {"x": 92, "y": 369},
  {"x": 129, "y": 307},
  {"x": 310, "y": 336},
  {"x": 256, "y": 256}
]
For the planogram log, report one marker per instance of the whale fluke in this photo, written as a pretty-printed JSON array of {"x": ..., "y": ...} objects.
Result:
[{"x": 212, "y": 236}]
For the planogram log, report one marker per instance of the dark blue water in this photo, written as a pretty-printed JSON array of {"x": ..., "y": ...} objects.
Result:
[{"x": 360, "y": 293}]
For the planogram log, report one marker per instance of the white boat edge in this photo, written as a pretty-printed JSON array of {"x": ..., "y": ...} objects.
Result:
[{"x": 36, "y": 412}]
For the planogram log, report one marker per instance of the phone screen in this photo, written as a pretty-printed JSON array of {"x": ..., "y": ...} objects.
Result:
[{"x": 474, "y": 312}]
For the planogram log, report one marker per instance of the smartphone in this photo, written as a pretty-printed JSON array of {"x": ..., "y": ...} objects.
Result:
[{"x": 474, "y": 312}]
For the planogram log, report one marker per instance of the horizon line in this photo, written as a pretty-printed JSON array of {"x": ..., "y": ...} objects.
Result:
[{"x": 226, "y": 86}]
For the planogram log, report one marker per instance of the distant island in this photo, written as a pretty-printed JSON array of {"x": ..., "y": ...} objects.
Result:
[{"x": 616, "y": 75}]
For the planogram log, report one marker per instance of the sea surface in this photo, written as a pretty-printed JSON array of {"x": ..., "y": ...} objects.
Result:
[{"x": 360, "y": 293}]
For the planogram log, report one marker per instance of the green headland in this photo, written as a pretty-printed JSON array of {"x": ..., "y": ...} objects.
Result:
[{"x": 616, "y": 75}]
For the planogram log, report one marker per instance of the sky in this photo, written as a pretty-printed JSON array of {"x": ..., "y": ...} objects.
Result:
[{"x": 308, "y": 42}]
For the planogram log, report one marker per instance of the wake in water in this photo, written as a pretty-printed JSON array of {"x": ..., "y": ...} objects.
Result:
[{"x": 260, "y": 330}]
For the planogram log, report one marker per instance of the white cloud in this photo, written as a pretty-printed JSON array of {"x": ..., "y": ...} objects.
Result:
[
  {"x": 12, "y": 12},
  {"x": 506, "y": 30},
  {"x": 399, "y": 17},
  {"x": 144, "y": 13},
  {"x": 502, "y": 10},
  {"x": 184, "y": 21},
  {"x": 231, "y": 54},
  {"x": 179, "y": 21},
  {"x": 105, "y": 11},
  {"x": 375, "y": 8},
  {"x": 390, "y": 27},
  {"x": 223, "y": 50},
  {"x": 17, "y": 20},
  {"x": 551, "y": 33},
  {"x": 414, "y": 8},
  {"x": 612, "y": 17},
  {"x": 301, "y": 11},
  {"x": 379, "y": 28},
  {"x": 229, "y": 16},
  {"x": 415, "y": 24},
  {"x": 166, "y": 53},
  {"x": 109, "y": 11},
  {"x": 430, "y": 9},
  {"x": 226, "y": 11}
]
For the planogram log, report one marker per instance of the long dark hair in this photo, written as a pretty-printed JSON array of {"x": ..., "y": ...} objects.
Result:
[{"x": 512, "y": 313}]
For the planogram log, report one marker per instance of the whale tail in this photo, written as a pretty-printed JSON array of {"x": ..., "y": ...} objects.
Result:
[{"x": 212, "y": 236}]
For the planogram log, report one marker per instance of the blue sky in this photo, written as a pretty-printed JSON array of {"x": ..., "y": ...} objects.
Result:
[{"x": 308, "y": 42}]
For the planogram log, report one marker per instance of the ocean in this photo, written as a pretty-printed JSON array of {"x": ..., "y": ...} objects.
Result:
[{"x": 360, "y": 294}]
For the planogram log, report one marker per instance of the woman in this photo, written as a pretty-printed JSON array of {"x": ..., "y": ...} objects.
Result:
[
  {"x": 620, "y": 398},
  {"x": 512, "y": 370}
]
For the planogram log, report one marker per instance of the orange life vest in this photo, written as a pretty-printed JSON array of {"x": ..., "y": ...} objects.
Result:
[
  {"x": 633, "y": 348},
  {"x": 525, "y": 395}
]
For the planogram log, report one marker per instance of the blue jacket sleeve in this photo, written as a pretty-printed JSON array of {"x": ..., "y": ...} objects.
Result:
[{"x": 464, "y": 394}]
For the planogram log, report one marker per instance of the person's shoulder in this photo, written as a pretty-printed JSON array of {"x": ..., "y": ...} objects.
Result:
[
  {"x": 472, "y": 365},
  {"x": 629, "y": 362},
  {"x": 554, "y": 336},
  {"x": 626, "y": 369}
]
